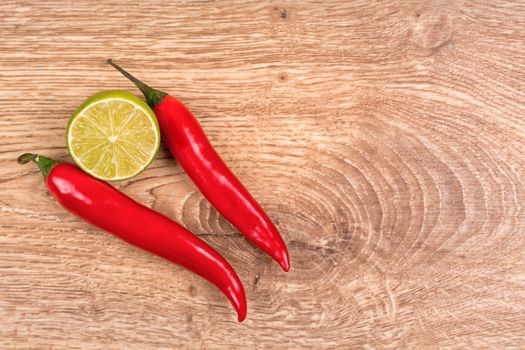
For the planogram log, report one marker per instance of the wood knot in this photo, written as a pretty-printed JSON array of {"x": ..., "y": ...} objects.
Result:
[
  {"x": 256, "y": 280},
  {"x": 192, "y": 291},
  {"x": 281, "y": 12},
  {"x": 282, "y": 76},
  {"x": 431, "y": 32}
]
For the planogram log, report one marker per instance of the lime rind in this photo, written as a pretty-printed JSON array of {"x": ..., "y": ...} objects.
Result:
[{"x": 113, "y": 135}]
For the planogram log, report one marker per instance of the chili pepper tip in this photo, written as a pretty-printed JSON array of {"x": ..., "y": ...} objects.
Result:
[
  {"x": 284, "y": 261},
  {"x": 286, "y": 265},
  {"x": 241, "y": 316}
]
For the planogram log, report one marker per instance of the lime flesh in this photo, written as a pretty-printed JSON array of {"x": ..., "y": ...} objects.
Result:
[{"x": 113, "y": 135}]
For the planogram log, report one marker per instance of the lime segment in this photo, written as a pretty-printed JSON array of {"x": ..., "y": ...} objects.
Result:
[{"x": 113, "y": 135}]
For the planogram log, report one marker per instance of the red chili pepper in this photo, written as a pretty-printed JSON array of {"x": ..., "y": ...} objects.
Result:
[
  {"x": 105, "y": 207},
  {"x": 190, "y": 146}
]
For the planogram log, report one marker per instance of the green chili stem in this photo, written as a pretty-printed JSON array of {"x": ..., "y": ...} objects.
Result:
[
  {"x": 44, "y": 164},
  {"x": 153, "y": 96}
]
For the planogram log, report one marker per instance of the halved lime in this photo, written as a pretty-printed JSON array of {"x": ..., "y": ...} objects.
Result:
[{"x": 113, "y": 135}]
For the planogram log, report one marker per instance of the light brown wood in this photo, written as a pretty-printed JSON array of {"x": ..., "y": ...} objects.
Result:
[{"x": 386, "y": 139}]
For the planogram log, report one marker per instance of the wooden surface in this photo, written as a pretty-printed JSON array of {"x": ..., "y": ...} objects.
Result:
[{"x": 386, "y": 139}]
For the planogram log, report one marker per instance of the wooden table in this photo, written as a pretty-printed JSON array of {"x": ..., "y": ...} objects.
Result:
[{"x": 386, "y": 139}]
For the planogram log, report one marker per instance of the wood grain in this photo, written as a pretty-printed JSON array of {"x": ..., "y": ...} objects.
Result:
[{"x": 385, "y": 138}]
